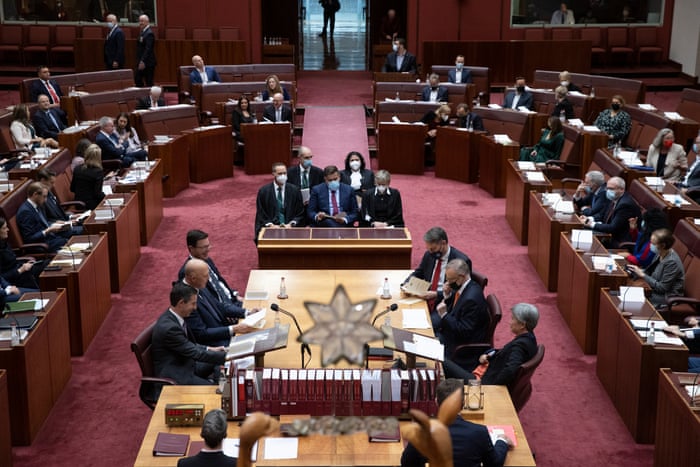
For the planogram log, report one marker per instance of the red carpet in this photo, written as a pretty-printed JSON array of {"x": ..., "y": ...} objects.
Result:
[{"x": 332, "y": 132}]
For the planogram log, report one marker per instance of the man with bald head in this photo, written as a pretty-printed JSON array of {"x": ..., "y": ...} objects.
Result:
[
  {"x": 305, "y": 175},
  {"x": 114, "y": 44},
  {"x": 278, "y": 111},
  {"x": 615, "y": 221},
  {"x": 145, "y": 54},
  {"x": 202, "y": 74}
]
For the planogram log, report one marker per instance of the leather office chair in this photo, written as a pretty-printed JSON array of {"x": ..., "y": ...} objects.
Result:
[
  {"x": 64, "y": 40},
  {"x": 521, "y": 389},
  {"x": 8, "y": 209},
  {"x": 11, "y": 42},
  {"x": 150, "y": 388},
  {"x": 467, "y": 355},
  {"x": 646, "y": 43},
  {"x": 38, "y": 40},
  {"x": 480, "y": 279}
]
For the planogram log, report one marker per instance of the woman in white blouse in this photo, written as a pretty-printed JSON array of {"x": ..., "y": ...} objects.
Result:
[{"x": 23, "y": 133}]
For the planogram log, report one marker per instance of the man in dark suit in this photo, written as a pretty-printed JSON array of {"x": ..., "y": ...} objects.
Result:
[
  {"x": 332, "y": 204},
  {"x": 467, "y": 119},
  {"x": 176, "y": 354},
  {"x": 48, "y": 121},
  {"x": 202, "y": 74},
  {"x": 521, "y": 97},
  {"x": 52, "y": 207},
  {"x": 47, "y": 86},
  {"x": 400, "y": 60},
  {"x": 433, "y": 92},
  {"x": 114, "y": 45},
  {"x": 145, "y": 54},
  {"x": 305, "y": 175},
  {"x": 112, "y": 147},
  {"x": 471, "y": 442},
  {"x": 154, "y": 99},
  {"x": 32, "y": 223},
  {"x": 464, "y": 315},
  {"x": 278, "y": 204},
  {"x": 590, "y": 197},
  {"x": 213, "y": 432},
  {"x": 459, "y": 74},
  {"x": 278, "y": 111},
  {"x": 691, "y": 183},
  {"x": 616, "y": 220}
]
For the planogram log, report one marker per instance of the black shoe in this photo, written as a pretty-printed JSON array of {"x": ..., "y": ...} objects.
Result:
[{"x": 322, "y": 34}]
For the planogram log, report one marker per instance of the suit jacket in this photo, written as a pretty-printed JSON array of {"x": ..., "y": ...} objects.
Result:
[
  {"x": 617, "y": 224},
  {"x": 441, "y": 94},
  {"x": 475, "y": 119},
  {"x": 471, "y": 447},
  {"x": 212, "y": 75},
  {"x": 31, "y": 225},
  {"x": 385, "y": 207},
  {"x": 427, "y": 266},
  {"x": 319, "y": 202},
  {"x": 109, "y": 150},
  {"x": 211, "y": 287},
  {"x": 676, "y": 155},
  {"x": 266, "y": 95},
  {"x": 87, "y": 185},
  {"x": 466, "y": 75},
  {"x": 145, "y": 48},
  {"x": 566, "y": 106},
  {"x": 267, "y": 210},
  {"x": 315, "y": 175},
  {"x": 45, "y": 127},
  {"x": 209, "y": 323},
  {"x": 175, "y": 353},
  {"x": 269, "y": 113},
  {"x": 407, "y": 66},
  {"x": 596, "y": 204},
  {"x": 693, "y": 176},
  {"x": 145, "y": 103},
  {"x": 207, "y": 459},
  {"x": 504, "y": 365},
  {"x": 526, "y": 100},
  {"x": 37, "y": 88},
  {"x": 467, "y": 320},
  {"x": 366, "y": 179},
  {"x": 114, "y": 48},
  {"x": 666, "y": 277},
  {"x": 52, "y": 209}
]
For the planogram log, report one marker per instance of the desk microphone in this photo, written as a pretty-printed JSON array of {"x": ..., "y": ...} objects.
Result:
[
  {"x": 304, "y": 345},
  {"x": 622, "y": 303},
  {"x": 379, "y": 352},
  {"x": 389, "y": 309}
]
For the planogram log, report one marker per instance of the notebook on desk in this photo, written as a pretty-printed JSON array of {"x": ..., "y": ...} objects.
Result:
[{"x": 23, "y": 322}]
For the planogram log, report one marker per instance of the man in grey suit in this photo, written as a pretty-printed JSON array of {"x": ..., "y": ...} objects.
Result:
[{"x": 175, "y": 353}]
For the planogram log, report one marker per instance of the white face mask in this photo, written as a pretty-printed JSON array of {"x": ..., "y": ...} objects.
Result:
[
  {"x": 381, "y": 189},
  {"x": 445, "y": 118},
  {"x": 281, "y": 179},
  {"x": 565, "y": 83},
  {"x": 395, "y": 48},
  {"x": 355, "y": 165}
]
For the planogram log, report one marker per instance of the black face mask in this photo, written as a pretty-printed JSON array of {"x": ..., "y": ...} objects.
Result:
[
  {"x": 437, "y": 255},
  {"x": 520, "y": 89},
  {"x": 454, "y": 286},
  {"x": 615, "y": 107},
  {"x": 434, "y": 88}
]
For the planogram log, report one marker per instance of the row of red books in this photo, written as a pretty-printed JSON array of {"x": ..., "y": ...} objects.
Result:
[{"x": 337, "y": 392}]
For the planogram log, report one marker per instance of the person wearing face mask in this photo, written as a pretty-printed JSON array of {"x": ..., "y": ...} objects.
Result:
[
  {"x": 590, "y": 198},
  {"x": 690, "y": 184},
  {"x": 433, "y": 119},
  {"x": 550, "y": 145},
  {"x": 305, "y": 175},
  {"x": 356, "y": 174},
  {"x": 562, "y": 104},
  {"x": 433, "y": 92},
  {"x": 521, "y": 97},
  {"x": 615, "y": 121},
  {"x": 616, "y": 219},
  {"x": 114, "y": 45},
  {"x": 381, "y": 206},
  {"x": 665, "y": 275},
  {"x": 278, "y": 204},
  {"x": 459, "y": 74},
  {"x": 399, "y": 60},
  {"x": 332, "y": 204},
  {"x": 667, "y": 157},
  {"x": 640, "y": 232},
  {"x": 565, "y": 80}
]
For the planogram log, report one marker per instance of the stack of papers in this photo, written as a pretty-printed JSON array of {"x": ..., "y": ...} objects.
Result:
[
  {"x": 425, "y": 347},
  {"x": 693, "y": 391},
  {"x": 600, "y": 262},
  {"x": 648, "y": 107},
  {"x": 661, "y": 338},
  {"x": 502, "y": 139},
  {"x": 526, "y": 165},
  {"x": 676, "y": 199},
  {"x": 549, "y": 199},
  {"x": 630, "y": 158},
  {"x": 577, "y": 122},
  {"x": 591, "y": 128},
  {"x": 645, "y": 323},
  {"x": 495, "y": 106},
  {"x": 281, "y": 448},
  {"x": 534, "y": 176},
  {"x": 673, "y": 115}
]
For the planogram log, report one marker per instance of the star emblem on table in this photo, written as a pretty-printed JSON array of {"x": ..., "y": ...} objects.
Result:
[{"x": 341, "y": 328}]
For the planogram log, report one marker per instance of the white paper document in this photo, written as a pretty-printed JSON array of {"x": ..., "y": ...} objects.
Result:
[
  {"x": 425, "y": 347},
  {"x": 502, "y": 139},
  {"x": 414, "y": 318},
  {"x": 241, "y": 347},
  {"x": 673, "y": 115},
  {"x": 281, "y": 448},
  {"x": 535, "y": 176},
  {"x": 231, "y": 446},
  {"x": 256, "y": 319},
  {"x": 662, "y": 338},
  {"x": 648, "y": 107},
  {"x": 416, "y": 286},
  {"x": 676, "y": 199},
  {"x": 632, "y": 294},
  {"x": 645, "y": 323},
  {"x": 526, "y": 165},
  {"x": 581, "y": 239},
  {"x": 591, "y": 128}
]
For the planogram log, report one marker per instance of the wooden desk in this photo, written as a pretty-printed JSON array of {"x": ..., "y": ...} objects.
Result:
[
  {"x": 493, "y": 163},
  {"x": 211, "y": 153},
  {"x": 629, "y": 174},
  {"x": 677, "y": 422},
  {"x": 38, "y": 369},
  {"x": 29, "y": 169},
  {"x": 522, "y": 127},
  {"x": 685, "y": 130},
  {"x": 628, "y": 368},
  {"x": 170, "y": 120},
  {"x": 323, "y": 450},
  {"x": 457, "y": 154},
  {"x": 348, "y": 248},
  {"x": 5, "y": 434},
  {"x": 578, "y": 292},
  {"x": 87, "y": 285},
  {"x": 401, "y": 148},
  {"x": 95, "y": 105},
  {"x": 174, "y": 156},
  {"x": 518, "y": 188},
  {"x": 123, "y": 236},
  {"x": 266, "y": 144},
  {"x": 150, "y": 190},
  {"x": 674, "y": 212},
  {"x": 543, "y": 229},
  {"x": 69, "y": 137},
  {"x": 585, "y": 107}
]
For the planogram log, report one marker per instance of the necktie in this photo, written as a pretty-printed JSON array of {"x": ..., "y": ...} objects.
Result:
[
  {"x": 305, "y": 179},
  {"x": 334, "y": 204},
  {"x": 609, "y": 214},
  {"x": 280, "y": 206},
  {"x": 221, "y": 291},
  {"x": 42, "y": 217},
  {"x": 436, "y": 280},
  {"x": 457, "y": 294},
  {"x": 53, "y": 120},
  {"x": 278, "y": 115},
  {"x": 52, "y": 92}
]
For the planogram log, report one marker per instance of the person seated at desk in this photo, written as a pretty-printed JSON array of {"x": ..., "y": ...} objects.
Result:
[
  {"x": 241, "y": 114},
  {"x": 471, "y": 442},
  {"x": 45, "y": 85},
  {"x": 278, "y": 111},
  {"x": 272, "y": 87},
  {"x": 21, "y": 272},
  {"x": 550, "y": 145},
  {"x": 459, "y": 74},
  {"x": 332, "y": 204},
  {"x": 616, "y": 220},
  {"x": 691, "y": 339},
  {"x": 278, "y": 204},
  {"x": 356, "y": 174},
  {"x": 213, "y": 433},
  {"x": 433, "y": 119},
  {"x": 88, "y": 178},
  {"x": 127, "y": 134},
  {"x": 467, "y": 119},
  {"x": 212, "y": 323},
  {"x": 667, "y": 157},
  {"x": 114, "y": 148},
  {"x": 48, "y": 121},
  {"x": 400, "y": 60},
  {"x": 651, "y": 221},
  {"x": 690, "y": 184},
  {"x": 381, "y": 206},
  {"x": 153, "y": 100},
  {"x": 563, "y": 15},
  {"x": 563, "y": 106},
  {"x": 202, "y": 74},
  {"x": 433, "y": 92},
  {"x": 590, "y": 198},
  {"x": 614, "y": 121},
  {"x": 34, "y": 226},
  {"x": 176, "y": 354},
  {"x": 23, "y": 133},
  {"x": 52, "y": 206},
  {"x": 565, "y": 80},
  {"x": 665, "y": 276},
  {"x": 521, "y": 97},
  {"x": 501, "y": 366}
]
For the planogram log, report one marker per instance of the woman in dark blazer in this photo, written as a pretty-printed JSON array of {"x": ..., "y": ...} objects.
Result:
[
  {"x": 20, "y": 272},
  {"x": 242, "y": 114},
  {"x": 356, "y": 174},
  {"x": 88, "y": 178},
  {"x": 563, "y": 104}
]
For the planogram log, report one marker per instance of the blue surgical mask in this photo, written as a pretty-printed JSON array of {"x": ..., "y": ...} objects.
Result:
[
  {"x": 653, "y": 248},
  {"x": 306, "y": 163},
  {"x": 459, "y": 66},
  {"x": 334, "y": 185},
  {"x": 696, "y": 148},
  {"x": 587, "y": 189},
  {"x": 610, "y": 194}
]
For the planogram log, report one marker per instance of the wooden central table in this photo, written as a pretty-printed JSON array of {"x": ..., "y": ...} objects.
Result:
[{"x": 323, "y": 450}]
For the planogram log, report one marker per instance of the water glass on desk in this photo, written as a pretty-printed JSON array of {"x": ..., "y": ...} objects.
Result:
[{"x": 475, "y": 395}]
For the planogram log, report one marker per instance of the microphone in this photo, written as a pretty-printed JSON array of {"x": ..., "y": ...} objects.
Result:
[
  {"x": 304, "y": 345},
  {"x": 41, "y": 293},
  {"x": 389, "y": 309},
  {"x": 379, "y": 352},
  {"x": 622, "y": 302}
]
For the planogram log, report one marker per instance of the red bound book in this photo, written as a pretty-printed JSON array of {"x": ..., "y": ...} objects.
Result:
[
  {"x": 405, "y": 391},
  {"x": 293, "y": 392},
  {"x": 195, "y": 447},
  {"x": 171, "y": 444},
  {"x": 395, "y": 393},
  {"x": 275, "y": 387},
  {"x": 356, "y": 391},
  {"x": 302, "y": 406},
  {"x": 242, "y": 407},
  {"x": 284, "y": 391},
  {"x": 341, "y": 407},
  {"x": 258, "y": 382},
  {"x": 385, "y": 407},
  {"x": 330, "y": 396},
  {"x": 267, "y": 390},
  {"x": 424, "y": 391},
  {"x": 432, "y": 393},
  {"x": 320, "y": 405},
  {"x": 508, "y": 430},
  {"x": 250, "y": 390}
]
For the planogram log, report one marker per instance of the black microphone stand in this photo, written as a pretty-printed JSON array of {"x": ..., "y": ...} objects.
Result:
[{"x": 304, "y": 346}]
